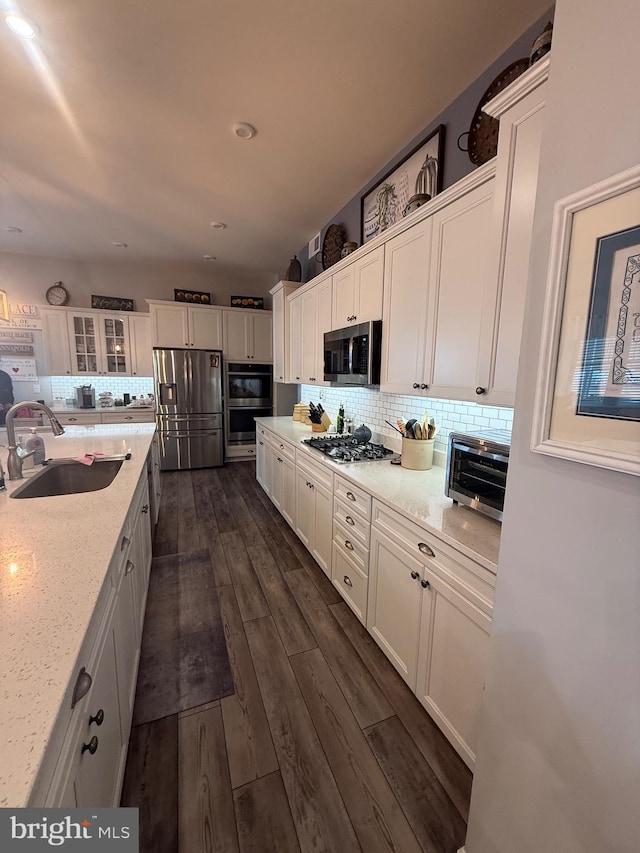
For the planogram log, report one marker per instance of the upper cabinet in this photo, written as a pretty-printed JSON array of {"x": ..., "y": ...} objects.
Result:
[
  {"x": 176, "y": 326},
  {"x": 247, "y": 334},
  {"x": 357, "y": 291},
  {"x": 309, "y": 319},
  {"x": 281, "y": 330}
]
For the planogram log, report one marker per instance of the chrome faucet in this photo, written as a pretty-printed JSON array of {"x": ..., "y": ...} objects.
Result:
[{"x": 15, "y": 459}]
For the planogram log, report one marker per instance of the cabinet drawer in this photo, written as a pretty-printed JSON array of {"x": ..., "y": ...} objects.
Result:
[
  {"x": 463, "y": 573},
  {"x": 356, "y": 498},
  {"x": 282, "y": 447},
  {"x": 127, "y": 417},
  {"x": 349, "y": 545},
  {"x": 359, "y": 527},
  {"x": 351, "y": 583},
  {"x": 315, "y": 472},
  {"x": 79, "y": 419}
]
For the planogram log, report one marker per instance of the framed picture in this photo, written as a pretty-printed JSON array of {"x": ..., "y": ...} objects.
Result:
[
  {"x": 195, "y": 297},
  {"x": 588, "y": 391},
  {"x": 113, "y": 303},
  {"x": 247, "y": 302},
  {"x": 419, "y": 174}
]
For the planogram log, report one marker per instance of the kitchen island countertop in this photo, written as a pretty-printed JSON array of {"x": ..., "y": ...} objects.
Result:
[
  {"x": 55, "y": 554},
  {"x": 417, "y": 494}
]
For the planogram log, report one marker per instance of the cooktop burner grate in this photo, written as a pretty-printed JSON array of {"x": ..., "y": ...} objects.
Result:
[{"x": 343, "y": 448}]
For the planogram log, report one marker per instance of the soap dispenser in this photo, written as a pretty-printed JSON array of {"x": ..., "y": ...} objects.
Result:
[{"x": 36, "y": 444}]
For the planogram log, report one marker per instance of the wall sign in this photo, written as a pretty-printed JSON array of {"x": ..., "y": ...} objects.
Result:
[
  {"x": 9, "y": 336},
  {"x": 24, "y": 350},
  {"x": 19, "y": 369},
  {"x": 24, "y": 316}
]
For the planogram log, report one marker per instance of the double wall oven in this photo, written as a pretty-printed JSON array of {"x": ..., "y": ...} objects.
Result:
[{"x": 248, "y": 395}]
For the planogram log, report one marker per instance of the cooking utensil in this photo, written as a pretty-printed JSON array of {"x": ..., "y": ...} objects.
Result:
[
  {"x": 433, "y": 429},
  {"x": 425, "y": 425},
  {"x": 401, "y": 425},
  {"x": 394, "y": 427},
  {"x": 409, "y": 431}
]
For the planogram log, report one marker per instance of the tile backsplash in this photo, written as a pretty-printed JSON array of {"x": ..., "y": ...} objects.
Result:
[
  {"x": 63, "y": 387},
  {"x": 372, "y": 407}
]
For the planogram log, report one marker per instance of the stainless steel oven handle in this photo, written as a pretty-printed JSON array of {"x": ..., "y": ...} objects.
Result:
[
  {"x": 477, "y": 451},
  {"x": 351, "y": 356}
]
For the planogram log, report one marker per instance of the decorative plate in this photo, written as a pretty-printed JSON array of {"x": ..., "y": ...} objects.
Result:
[
  {"x": 483, "y": 133},
  {"x": 332, "y": 245}
]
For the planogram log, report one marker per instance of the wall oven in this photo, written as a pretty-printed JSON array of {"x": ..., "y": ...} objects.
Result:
[
  {"x": 352, "y": 355},
  {"x": 477, "y": 467},
  {"x": 248, "y": 395}
]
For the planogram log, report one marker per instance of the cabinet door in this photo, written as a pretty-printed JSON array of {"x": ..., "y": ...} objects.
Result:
[
  {"x": 140, "y": 346},
  {"x": 125, "y": 635},
  {"x": 323, "y": 527},
  {"x": 458, "y": 282},
  {"x": 206, "y": 327},
  {"x": 114, "y": 341},
  {"x": 237, "y": 335},
  {"x": 343, "y": 298},
  {"x": 305, "y": 508},
  {"x": 308, "y": 335},
  {"x": 55, "y": 334},
  {"x": 454, "y": 645},
  {"x": 368, "y": 286},
  {"x": 279, "y": 336},
  {"x": 406, "y": 282},
  {"x": 262, "y": 451},
  {"x": 277, "y": 478},
  {"x": 295, "y": 340},
  {"x": 84, "y": 344},
  {"x": 262, "y": 336},
  {"x": 169, "y": 325},
  {"x": 393, "y": 609},
  {"x": 323, "y": 324},
  {"x": 96, "y": 775},
  {"x": 288, "y": 503}
]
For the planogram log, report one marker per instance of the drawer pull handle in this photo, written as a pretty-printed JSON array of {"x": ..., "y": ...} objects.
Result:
[
  {"x": 348, "y": 544},
  {"x": 83, "y": 685},
  {"x": 422, "y": 546},
  {"x": 349, "y": 520},
  {"x": 73, "y": 419},
  {"x": 129, "y": 567},
  {"x": 92, "y": 746},
  {"x": 425, "y": 584},
  {"x": 124, "y": 543},
  {"x": 262, "y": 444},
  {"x": 415, "y": 575},
  {"x": 351, "y": 496},
  {"x": 347, "y": 580},
  {"x": 98, "y": 719}
]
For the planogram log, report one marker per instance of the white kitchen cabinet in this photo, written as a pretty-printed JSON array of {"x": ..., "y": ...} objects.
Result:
[
  {"x": 314, "y": 511},
  {"x": 460, "y": 285},
  {"x": 350, "y": 581},
  {"x": 263, "y": 460},
  {"x": 247, "y": 335},
  {"x": 140, "y": 345},
  {"x": 282, "y": 330},
  {"x": 295, "y": 339},
  {"x": 520, "y": 108},
  {"x": 283, "y": 484},
  {"x": 178, "y": 326},
  {"x": 99, "y": 344},
  {"x": 55, "y": 335},
  {"x": 357, "y": 291},
  {"x": 405, "y": 323},
  {"x": 315, "y": 321}
]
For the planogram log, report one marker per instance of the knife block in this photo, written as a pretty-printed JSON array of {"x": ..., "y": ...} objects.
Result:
[{"x": 317, "y": 428}]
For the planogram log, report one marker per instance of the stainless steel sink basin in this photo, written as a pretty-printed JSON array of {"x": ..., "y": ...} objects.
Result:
[{"x": 68, "y": 477}]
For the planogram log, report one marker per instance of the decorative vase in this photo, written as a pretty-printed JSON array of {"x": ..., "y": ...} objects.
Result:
[{"x": 294, "y": 273}]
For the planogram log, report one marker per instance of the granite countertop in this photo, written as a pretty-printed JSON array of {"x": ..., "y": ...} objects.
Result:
[
  {"x": 417, "y": 494},
  {"x": 54, "y": 557}
]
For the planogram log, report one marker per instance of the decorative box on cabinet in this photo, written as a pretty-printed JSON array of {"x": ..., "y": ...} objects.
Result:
[{"x": 281, "y": 330}]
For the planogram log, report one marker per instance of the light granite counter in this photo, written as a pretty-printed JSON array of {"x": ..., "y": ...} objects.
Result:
[
  {"x": 54, "y": 557},
  {"x": 417, "y": 494}
]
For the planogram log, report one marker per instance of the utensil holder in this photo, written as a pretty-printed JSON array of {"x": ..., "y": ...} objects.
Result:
[{"x": 417, "y": 454}]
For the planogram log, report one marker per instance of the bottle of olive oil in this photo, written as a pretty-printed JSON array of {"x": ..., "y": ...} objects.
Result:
[{"x": 340, "y": 419}]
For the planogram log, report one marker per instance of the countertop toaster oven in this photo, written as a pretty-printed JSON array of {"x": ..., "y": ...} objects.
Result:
[{"x": 477, "y": 467}]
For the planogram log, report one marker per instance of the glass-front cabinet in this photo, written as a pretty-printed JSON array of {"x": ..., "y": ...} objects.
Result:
[{"x": 99, "y": 344}]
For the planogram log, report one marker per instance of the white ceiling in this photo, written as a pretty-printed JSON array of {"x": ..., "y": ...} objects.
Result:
[{"x": 117, "y": 120}]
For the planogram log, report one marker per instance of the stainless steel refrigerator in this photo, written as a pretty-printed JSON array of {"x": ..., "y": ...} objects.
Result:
[{"x": 189, "y": 407}]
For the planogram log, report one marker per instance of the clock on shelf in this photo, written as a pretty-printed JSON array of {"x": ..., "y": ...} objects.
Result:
[{"x": 57, "y": 294}]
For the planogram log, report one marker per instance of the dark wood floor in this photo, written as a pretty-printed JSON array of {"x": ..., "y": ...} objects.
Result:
[{"x": 321, "y": 747}]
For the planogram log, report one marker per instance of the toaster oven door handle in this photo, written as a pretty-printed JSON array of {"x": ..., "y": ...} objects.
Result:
[{"x": 478, "y": 451}]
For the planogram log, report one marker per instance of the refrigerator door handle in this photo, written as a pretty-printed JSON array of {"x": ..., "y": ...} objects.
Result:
[{"x": 190, "y": 434}]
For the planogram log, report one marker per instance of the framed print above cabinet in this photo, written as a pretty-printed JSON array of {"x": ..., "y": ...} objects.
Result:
[
  {"x": 588, "y": 392},
  {"x": 412, "y": 182}
]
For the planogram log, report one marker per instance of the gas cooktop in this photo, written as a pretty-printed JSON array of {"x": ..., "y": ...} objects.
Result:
[{"x": 344, "y": 448}]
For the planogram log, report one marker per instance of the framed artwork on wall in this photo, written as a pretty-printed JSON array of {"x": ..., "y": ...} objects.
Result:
[
  {"x": 416, "y": 179},
  {"x": 588, "y": 390},
  {"x": 113, "y": 303}
]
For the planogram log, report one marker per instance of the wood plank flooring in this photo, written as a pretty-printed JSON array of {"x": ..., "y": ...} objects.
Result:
[{"x": 321, "y": 746}]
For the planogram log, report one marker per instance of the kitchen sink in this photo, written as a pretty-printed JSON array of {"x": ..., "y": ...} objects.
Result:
[{"x": 68, "y": 477}]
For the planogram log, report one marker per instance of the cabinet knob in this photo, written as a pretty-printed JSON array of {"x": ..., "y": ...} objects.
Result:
[
  {"x": 415, "y": 575},
  {"x": 279, "y": 459},
  {"x": 83, "y": 684},
  {"x": 423, "y": 386},
  {"x": 347, "y": 580},
  {"x": 98, "y": 719},
  {"x": 425, "y": 584},
  {"x": 422, "y": 546},
  {"x": 124, "y": 543},
  {"x": 349, "y": 520},
  {"x": 129, "y": 567},
  {"x": 91, "y": 747},
  {"x": 481, "y": 390},
  {"x": 351, "y": 496},
  {"x": 348, "y": 544},
  {"x": 311, "y": 486},
  {"x": 416, "y": 385},
  {"x": 145, "y": 508},
  {"x": 297, "y": 377}
]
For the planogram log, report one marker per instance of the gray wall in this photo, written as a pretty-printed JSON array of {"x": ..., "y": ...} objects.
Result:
[
  {"x": 558, "y": 764},
  {"x": 457, "y": 118}
]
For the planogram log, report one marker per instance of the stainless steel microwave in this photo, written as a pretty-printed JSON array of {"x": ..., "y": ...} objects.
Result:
[
  {"x": 477, "y": 467},
  {"x": 352, "y": 355}
]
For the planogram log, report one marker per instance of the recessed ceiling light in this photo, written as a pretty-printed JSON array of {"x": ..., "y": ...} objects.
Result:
[
  {"x": 13, "y": 229},
  {"x": 20, "y": 25},
  {"x": 219, "y": 225},
  {"x": 243, "y": 130},
  {"x": 119, "y": 245},
  {"x": 209, "y": 257}
]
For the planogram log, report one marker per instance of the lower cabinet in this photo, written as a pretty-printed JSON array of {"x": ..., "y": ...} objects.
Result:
[
  {"x": 314, "y": 511},
  {"x": 283, "y": 484}
]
